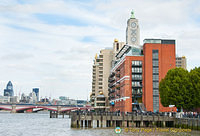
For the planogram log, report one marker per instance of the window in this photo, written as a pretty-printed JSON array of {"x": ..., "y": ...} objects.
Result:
[
  {"x": 100, "y": 104},
  {"x": 155, "y": 92},
  {"x": 100, "y": 99},
  {"x": 136, "y": 63},
  {"x": 137, "y": 77},
  {"x": 155, "y": 77},
  {"x": 136, "y": 84},
  {"x": 136, "y": 70},
  {"x": 156, "y": 85},
  {"x": 137, "y": 91},
  {"x": 156, "y": 103},
  {"x": 155, "y": 70},
  {"x": 155, "y": 62},
  {"x": 155, "y": 55},
  {"x": 117, "y": 46}
]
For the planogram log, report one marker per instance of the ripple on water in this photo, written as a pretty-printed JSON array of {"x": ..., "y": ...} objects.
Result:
[{"x": 34, "y": 124}]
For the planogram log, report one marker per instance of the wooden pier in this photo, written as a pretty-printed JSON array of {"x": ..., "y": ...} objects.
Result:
[
  {"x": 103, "y": 120},
  {"x": 55, "y": 114}
]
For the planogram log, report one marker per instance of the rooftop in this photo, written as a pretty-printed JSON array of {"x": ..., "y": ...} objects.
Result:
[{"x": 160, "y": 41}]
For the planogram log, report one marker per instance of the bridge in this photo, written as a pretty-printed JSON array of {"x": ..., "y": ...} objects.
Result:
[{"x": 20, "y": 108}]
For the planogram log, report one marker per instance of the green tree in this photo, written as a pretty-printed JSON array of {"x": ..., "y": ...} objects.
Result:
[
  {"x": 195, "y": 80},
  {"x": 175, "y": 89}
]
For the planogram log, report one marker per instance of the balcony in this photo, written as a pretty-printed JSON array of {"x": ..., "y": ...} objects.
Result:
[
  {"x": 111, "y": 85},
  {"x": 118, "y": 75},
  {"x": 111, "y": 80},
  {"x": 118, "y": 70},
  {"x": 112, "y": 91},
  {"x": 118, "y": 88},
  {"x": 112, "y": 74},
  {"x": 112, "y": 97}
]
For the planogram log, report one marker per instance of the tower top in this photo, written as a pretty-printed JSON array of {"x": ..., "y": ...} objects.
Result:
[
  {"x": 132, "y": 15},
  {"x": 96, "y": 56}
]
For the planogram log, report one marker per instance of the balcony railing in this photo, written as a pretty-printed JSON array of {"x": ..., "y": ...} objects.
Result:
[
  {"x": 112, "y": 74},
  {"x": 111, "y": 80},
  {"x": 112, "y": 91}
]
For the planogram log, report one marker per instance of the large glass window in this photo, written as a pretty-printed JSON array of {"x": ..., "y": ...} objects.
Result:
[
  {"x": 155, "y": 70},
  {"x": 155, "y": 84},
  {"x": 155, "y": 92},
  {"x": 155, "y": 54},
  {"x": 136, "y": 70},
  {"x": 136, "y": 63},
  {"x": 156, "y": 103},
  {"x": 137, "y": 91},
  {"x": 155, "y": 63},
  {"x": 155, "y": 73},
  {"x": 136, "y": 77},
  {"x": 136, "y": 84},
  {"x": 155, "y": 77}
]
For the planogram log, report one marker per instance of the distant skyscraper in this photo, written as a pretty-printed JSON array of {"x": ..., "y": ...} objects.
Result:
[
  {"x": 9, "y": 90},
  {"x": 36, "y": 90},
  {"x": 132, "y": 31}
]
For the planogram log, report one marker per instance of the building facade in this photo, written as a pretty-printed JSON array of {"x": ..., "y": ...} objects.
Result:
[
  {"x": 159, "y": 58},
  {"x": 101, "y": 71},
  {"x": 134, "y": 80},
  {"x": 181, "y": 62}
]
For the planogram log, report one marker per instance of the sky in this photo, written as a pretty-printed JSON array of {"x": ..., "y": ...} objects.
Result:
[{"x": 51, "y": 44}]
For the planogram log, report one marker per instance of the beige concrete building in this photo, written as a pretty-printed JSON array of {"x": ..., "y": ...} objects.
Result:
[
  {"x": 101, "y": 71},
  {"x": 181, "y": 62},
  {"x": 116, "y": 48}
]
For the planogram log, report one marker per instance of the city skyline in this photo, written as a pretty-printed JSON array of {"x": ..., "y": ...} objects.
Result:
[{"x": 51, "y": 45}]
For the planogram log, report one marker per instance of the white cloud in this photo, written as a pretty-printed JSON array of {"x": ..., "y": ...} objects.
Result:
[{"x": 55, "y": 58}]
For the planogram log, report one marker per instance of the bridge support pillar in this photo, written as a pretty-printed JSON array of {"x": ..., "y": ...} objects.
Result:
[
  {"x": 59, "y": 109},
  {"x": 13, "y": 109},
  {"x": 164, "y": 124},
  {"x": 142, "y": 124}
]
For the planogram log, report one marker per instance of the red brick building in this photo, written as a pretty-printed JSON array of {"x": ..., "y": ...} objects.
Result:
[{"x": 134, "y": 80}]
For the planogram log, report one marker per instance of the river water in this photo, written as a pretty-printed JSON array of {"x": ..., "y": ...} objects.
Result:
[{"x": 36, "y": 124}]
